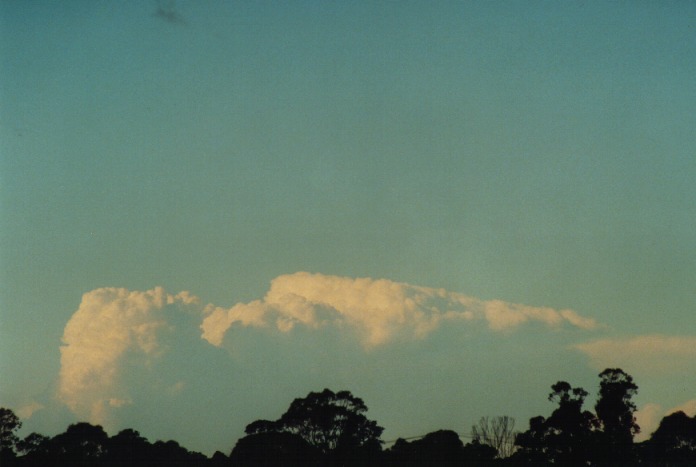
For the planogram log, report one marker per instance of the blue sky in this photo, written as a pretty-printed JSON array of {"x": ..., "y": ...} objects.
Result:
[{"x": 515, "y": 153}]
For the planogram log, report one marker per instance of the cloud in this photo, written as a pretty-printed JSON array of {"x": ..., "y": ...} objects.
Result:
[
  {"x": 654, "y": 353},
  {"x": 115, "y": 328},
  {"x": 377, "y": 310},
  {"x": 128, "y": 355},
  {"x": 110, "y": 325},
  {"x": 647, "y": 357},
  {"x": 26, "y": 411},
  {"x": 649, "y": 416},
  {"x": 688, "y": 407},
  {"x": 579, "y": 321}
]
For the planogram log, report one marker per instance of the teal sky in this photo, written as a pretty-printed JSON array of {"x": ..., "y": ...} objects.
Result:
[{"x": 536, "y": 153}]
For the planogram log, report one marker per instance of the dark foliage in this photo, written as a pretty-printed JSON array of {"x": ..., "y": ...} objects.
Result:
[
  {"x": 9, "y": 424},
  {"x": 327, "y": 429},
  {"x": 441, "y": 448},
  {"x": 571, "y": 436},
  {"x": 673, "y": 443},
  {"x": 86, "y": 445},
  {"x": 497, "y": 432},
  {"x": 334, "y": 424},
  {"x": 274, "y": 449},
  {"x": 565, "y": 437},
  {"x": 615, "y": 412}
]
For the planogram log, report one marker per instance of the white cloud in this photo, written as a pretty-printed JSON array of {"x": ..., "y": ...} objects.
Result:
[
  {"x": 579, "y": 321},
  {"x": 219, "y": 319},
  {"x": 109, "y": 324},
  {"x": 113, "y": 402},
  {"x": 650, "y": 353},
  {"x": 123, "y": 348},
  {"x": 646, "y": 357},
  {"x": 26, "y": 411},
  {"x": 379, "y": 310},
  {"x": 688, "y": 407},
  {"x": 649, "y": 416},
  {"x": 128, "y": 354}
]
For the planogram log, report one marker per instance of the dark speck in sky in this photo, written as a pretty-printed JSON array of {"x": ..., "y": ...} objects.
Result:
[{"x": 166, "y": 10}]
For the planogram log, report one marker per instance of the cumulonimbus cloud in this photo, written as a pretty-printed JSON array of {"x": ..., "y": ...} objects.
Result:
[
  {"x": 649, "y": 353},
  {"x": 109, "y": 323},
  {"x": 653, "y": 355},
  {"x": 379, "y": 310},
  {"x": 688, "y": 407},
  {"x": 115, "y": 331},
  {"x": 649, "y": 416},
  {"x": 26, "y": 411}
]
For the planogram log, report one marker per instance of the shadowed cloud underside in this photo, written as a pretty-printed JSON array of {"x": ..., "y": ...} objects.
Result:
[{"x": 115, "y": 328}]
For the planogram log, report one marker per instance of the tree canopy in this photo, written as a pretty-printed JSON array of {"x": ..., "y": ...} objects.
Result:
[
  {"x": 326, "y": 420},
  {"x": 616, "y": 415},
  {"x": 327, "y": 429},
  {"x": 9, "y": 424},
  {"x": 441, "y": 448},
  {"x": 673, "y": 443},
  {"x": 564, "y": 437}
]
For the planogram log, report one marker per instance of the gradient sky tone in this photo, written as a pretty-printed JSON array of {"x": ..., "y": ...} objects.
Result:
[{"x": 527, "y": 167}]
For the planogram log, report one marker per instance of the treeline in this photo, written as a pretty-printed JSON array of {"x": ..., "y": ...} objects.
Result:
[{"x": 331, "y": 429}]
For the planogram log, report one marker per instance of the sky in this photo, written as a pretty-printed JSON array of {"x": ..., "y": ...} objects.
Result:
[{"x": 208, "y": 209}]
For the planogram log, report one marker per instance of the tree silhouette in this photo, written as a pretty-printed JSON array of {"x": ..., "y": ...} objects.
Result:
[
  {"x": 439, "y": 448},
  {"x": 497, "y": 432},
  {"x": 82, "y": 444},
  {"x": 274, "y": 449},
  {"x": 615, "y": 412},
  {"x": 333, "y": 423},
  {"x": 35, "y": 450},
  {"x": 326, "y": 420},
  {"x": 477, "y": 454},
  {"x": 673, "y": 443},
  {"x": 566, "y": 437},
  {"x": 219, "y": 460},
  {"x": 33, "y": 442},
  {"x": 442, "y": 448},
  {"x": 173, "y": 454},
  {"x": 87, "y": 445},
  {"x": 327, "y": 429},
  {"x": 127, "y": 447},
  {"x": 9, "y": 424}
]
